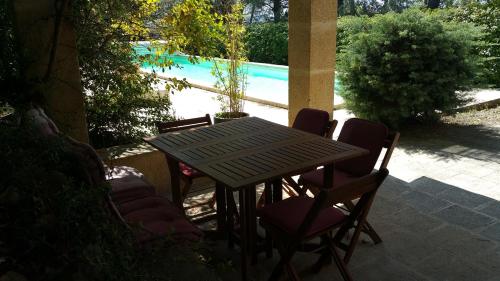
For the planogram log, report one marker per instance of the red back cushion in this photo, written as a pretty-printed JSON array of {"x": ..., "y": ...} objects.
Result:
[
  {"x": 45, "y": 126},
  {"x": 313, "y": 121},
  {"x": 365, "y": 134},
  {"x": 89, "y": 161}
]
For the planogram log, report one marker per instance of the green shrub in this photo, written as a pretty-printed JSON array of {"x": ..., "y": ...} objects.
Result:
[
  {"x": 486, "y": 15},
  {"x": 267, "y": 43},
  {"x": 405, "y": 66},
  {"x": 347, "y": 26}
]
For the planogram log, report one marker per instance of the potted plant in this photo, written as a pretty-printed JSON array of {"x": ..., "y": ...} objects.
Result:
[{"x": 231, "y": 73}]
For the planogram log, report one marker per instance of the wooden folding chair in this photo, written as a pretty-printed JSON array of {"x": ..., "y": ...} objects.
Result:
[
  {"x": 187, "y": 174},
  {"x": 350, "y": 171},
  {"x": 296, "y": 220},
  {"x": 313, "y": 121}
]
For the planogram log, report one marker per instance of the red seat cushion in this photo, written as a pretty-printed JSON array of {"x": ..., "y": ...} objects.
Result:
[
  {"x": 188, "y": 171},
  {"x": 288, "y": 215},
  {"x": 313, "y": 121},
  {"x": 162, "y": 219},
  {"x": 365, "y": 134},
  {"x": 146, "y": 203},
  {"x": 316, "y": 177},
  {"x": 130, "y": 188}
]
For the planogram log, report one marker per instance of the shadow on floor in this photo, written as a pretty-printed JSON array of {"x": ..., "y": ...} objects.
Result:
[{"x": 452, "y": 140}]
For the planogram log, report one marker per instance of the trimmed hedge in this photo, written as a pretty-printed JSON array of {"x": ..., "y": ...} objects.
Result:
[
  {"x": 267, "y": 42},
  {"x": 407, "y": 66}
]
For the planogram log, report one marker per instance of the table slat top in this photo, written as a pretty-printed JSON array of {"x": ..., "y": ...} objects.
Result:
[{"x": 251, "y": 150}]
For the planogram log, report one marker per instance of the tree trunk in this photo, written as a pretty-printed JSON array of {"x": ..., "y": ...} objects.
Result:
[
  {"x": 252, "y": 13},
  {"x": 277, "y": 9},
  {"x": 433, "y": 4}
]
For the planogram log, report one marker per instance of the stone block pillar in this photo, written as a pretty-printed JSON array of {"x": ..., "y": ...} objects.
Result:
[
  {"x": 63, "y": 94},
  {"x": 311, "y": 55}
]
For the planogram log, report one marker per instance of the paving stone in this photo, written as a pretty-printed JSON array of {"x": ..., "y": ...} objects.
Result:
[
  {"x": 463, "y": 217},
  {"x": 444, "y": 266},
  {"x": 492, "y": 232},
  {"x": 463, "y": 197},
  {"x": 408, "y": 248},
  {"x": 415, "y": 222},
  {"x": 383, "y": 207},
  {"x": 492, "y": 209},
  {"x": 490, "y": 261},
  {"x": 429, "y": 185},
  {"x": 447, "y": 233},
  {"x": 392, "y": 188},
  {"x": 424, "y": 202},
  {"x": 469, "y": 246},
  {"x": 387, "y": 270}
]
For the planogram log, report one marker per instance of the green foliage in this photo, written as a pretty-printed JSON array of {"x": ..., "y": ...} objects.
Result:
[
  {"x": 405, "y": 66},
  {"x": 54, "y": 226},
  {"x": 267, "y": 42},
  {"x": 486, "y": 15},
  {"x": 14, "y": 85},
  {"x": 231, "y": 73},
  {"x": 346, "y": 27},
  {"x": 121, "y": 102}
]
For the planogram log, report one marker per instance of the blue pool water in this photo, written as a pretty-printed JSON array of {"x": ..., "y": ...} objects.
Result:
[{"x": 264, "y": 81}]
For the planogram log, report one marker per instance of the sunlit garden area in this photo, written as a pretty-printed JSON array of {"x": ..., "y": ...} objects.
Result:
[{"x": 250, "y": 140}]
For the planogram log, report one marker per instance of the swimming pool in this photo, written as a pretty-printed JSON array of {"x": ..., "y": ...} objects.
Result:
[{"x": 264, "y": 81}]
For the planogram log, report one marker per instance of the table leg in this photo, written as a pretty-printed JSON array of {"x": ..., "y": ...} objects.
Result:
[
  {"x": 252, "y": 223},
  {"x": 230, "y": 217},
  {"x": 175, "y": 186},
  {"x": 268, "y": 200},
  {"x": 277, "y": 189},
  {"x": 220, "y": 197},
  {"x": 328, "y": 176},
  {"x": 243, "y": 198}
]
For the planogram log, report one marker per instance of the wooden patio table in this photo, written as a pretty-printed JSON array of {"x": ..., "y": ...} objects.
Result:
[{"x": 242, "y": 153}]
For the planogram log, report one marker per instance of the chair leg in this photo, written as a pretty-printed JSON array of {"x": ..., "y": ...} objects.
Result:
[
  {"x": 291, "y": 272},
  {"x": 277, "y": 271},
  {"x": 346, "y": 275},
  {"x": 325, "y": 258},
  {"x": 187, "y": 186},
  {"x": 294, "y": 185},
  {"x": 367, "y": 228}
]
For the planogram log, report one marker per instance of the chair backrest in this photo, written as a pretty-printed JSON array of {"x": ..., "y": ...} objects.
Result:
[
  {"x": 390, "y": 143},
  {"x": 331, "y": 128},
  {"x": 363, "y": 188},
  {"x": 365, "y": 134},
  {"x": 313, "y": 121},
  {"x": 172, "y": 126}
]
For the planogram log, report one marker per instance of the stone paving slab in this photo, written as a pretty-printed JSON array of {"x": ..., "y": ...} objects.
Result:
[
  {"x": 464, "y": 217},
  {"x": 492, "y": 209},
  {"x": 492, "y": 232}
]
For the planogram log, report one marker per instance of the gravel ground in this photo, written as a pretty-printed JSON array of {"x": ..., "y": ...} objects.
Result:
[{"x": 485, "y": 117}]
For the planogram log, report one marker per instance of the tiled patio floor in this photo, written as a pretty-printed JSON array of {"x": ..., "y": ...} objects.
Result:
[{"x": 438, "y": 213}]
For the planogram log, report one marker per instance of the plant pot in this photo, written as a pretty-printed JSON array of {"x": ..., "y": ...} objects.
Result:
[{"x": 228, "y": 116}]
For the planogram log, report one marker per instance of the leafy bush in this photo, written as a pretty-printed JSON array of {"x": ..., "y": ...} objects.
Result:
[
  {"x": 267, "y": 42},
  {"x": 405, "y": 66},
  {"x": 121, "y": 103},
  {"x": 487, "y": 15},
  {"x": 54, "y": 226}
]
